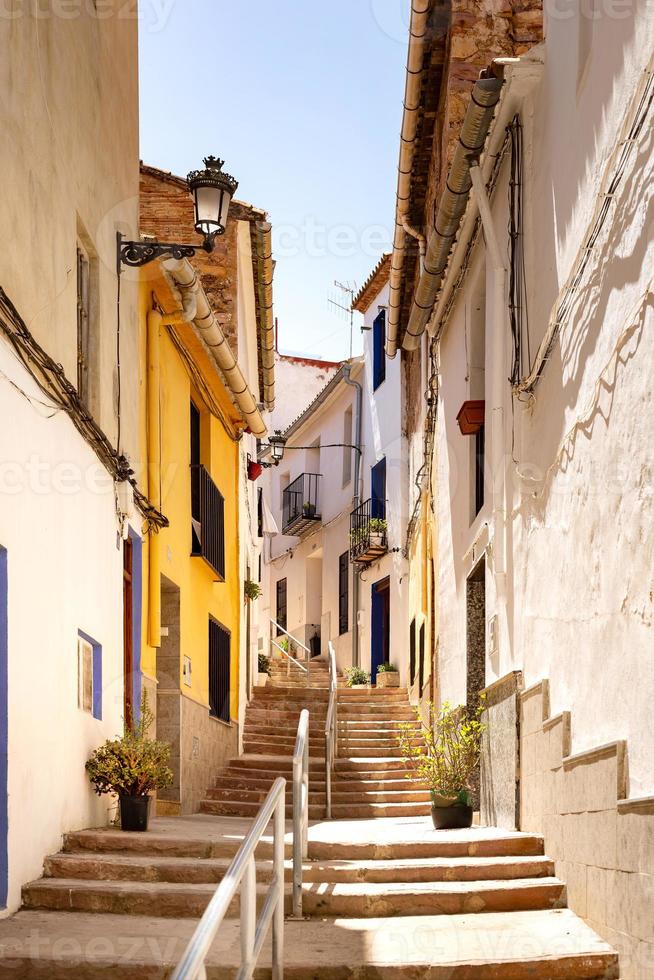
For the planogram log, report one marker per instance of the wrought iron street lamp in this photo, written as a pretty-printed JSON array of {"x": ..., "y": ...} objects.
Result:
[
  {"x": 277, "y": 446},
  {"x": 212, "y": 191}
]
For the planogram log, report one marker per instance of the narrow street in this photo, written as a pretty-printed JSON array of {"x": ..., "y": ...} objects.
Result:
[{"x": 326, "y": 507}]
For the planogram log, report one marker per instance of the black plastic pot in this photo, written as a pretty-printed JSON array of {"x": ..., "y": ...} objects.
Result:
[
  {"x": 454, "y": 817},
  {"x": 134, "y": 812}
]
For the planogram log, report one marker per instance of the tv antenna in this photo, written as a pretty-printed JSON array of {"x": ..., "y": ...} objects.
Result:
[{"x": 347, "y": 289}]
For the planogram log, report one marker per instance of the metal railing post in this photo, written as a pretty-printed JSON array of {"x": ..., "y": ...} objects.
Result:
[
  {"x": 242, "y": 874},
  {"x": 278, "y": 875},
  {"x": 300, "y": 808},
  {"x": 331, "y": 730}
]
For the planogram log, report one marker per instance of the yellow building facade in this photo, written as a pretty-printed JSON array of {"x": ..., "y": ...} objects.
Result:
[{"x": 199, "y": 422}]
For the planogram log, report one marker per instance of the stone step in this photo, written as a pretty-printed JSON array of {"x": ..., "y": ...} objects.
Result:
[
  {"x": 280, "y": 747},
  {"x": 127, "y": 867},
  {"x": 382, "y": 742},
  {"x": 345, "y": 811},
  {"x": 256, "y": 780},
  {"x": 540, "y": 945},
  {"x": 358, "y": 797},
  {"x": 375, "y": 724},
  {"x": 160, "y": 898},
  {"x": 370, "y": 899},
  {"x": 156, "y": 844},
  {"x": 279, "y": 693},
  {"x": 316, "y": 730},
  {"x": 237, "y": 808},
  {"x": 364, "y": 764},
  {"x": 475, "y": 843},
  {"x": 388, "y": 712},
  {"x": 279, "y": 764},
  {"x": 253, "y": 794}
]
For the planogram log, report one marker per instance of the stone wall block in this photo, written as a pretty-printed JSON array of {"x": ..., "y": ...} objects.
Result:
[{"x": 635, "y": 841}]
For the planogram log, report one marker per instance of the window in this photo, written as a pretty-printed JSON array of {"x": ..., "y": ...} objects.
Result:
[
  {"x": 344, "y": 593},
  {"x": 89, "y": 675},
  {"x": 479, "y": 469},
  {"x": 421, "y": 661},
  {"x": 378, "y": 490},
  {"x": 83, "y": 322},
  {"x": 347, "y": 444},
  {"x": 378, "y": 349},
  {"x": 260, "y": 514},
  {"x": 281, "y": 612},
  {"x": 219, "y": 671},
  {"x": 412, "y": 651},
  {"x": 207, "y": 505}
]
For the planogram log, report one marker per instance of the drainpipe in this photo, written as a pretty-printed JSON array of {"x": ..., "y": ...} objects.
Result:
[
  {"x": 479, "y": 115},
  {"x": 358, "y": 440},
  {"x": 198, "y": 311},
  {"x": 498, "y": 380},
  {"x": 410, "y": 118},
  {"x": 154, "y": 472}
]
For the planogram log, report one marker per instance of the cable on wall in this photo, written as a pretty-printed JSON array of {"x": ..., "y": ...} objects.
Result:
[{"x": 52, "y": 380}]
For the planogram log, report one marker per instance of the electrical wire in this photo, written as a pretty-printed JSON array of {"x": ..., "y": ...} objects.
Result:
[{"x": 52, "y": 380}]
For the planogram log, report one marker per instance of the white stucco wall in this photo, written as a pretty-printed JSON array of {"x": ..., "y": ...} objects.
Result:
[
  {"x": 58, "y": 524},
  {"x": 297, "y": 382},
  {"x": 382, "y": 435},
  {"x": 580, "y": 606}
]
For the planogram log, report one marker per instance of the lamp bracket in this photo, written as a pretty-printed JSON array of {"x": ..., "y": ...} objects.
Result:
[{"x": 138, "y": 254}]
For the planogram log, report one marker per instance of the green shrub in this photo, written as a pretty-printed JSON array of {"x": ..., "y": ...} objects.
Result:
[
  {"x": 387, "y": 669},
  {"x": 449, "y": 751},
  {"x": 356, "y": 675},
  {"x": 251, "y": 589},
  {"x": 264, "y": 664},
  {"x": 133, "y": 765}
]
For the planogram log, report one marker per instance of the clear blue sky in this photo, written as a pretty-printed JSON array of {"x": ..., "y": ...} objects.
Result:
[{"x": 304, "y": 103}]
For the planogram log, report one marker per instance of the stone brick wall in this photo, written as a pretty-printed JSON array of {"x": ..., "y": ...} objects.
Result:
[
  {"x": 207, "y": 745},
  {"x": 167, "y": 213},
  {"x": 500, "y": 758},
  {"x": 602, "y": 843}
]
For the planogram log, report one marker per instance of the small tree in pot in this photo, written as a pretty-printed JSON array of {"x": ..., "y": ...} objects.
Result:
[
  {"x": 132, "y": 767},
  {"x": 445, "y": 758}
]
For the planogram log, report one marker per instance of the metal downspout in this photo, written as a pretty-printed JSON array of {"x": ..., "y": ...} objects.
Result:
[
  {"x": 485, "y": 96},
  {"x": 413, "y": 85},
  {"x": 154, "y": 471},
  {"x": 347, "y": 369}
]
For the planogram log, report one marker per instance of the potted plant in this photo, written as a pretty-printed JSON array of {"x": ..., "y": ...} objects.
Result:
[
  {"x": 378, "y": 529},
  {"x": 356, "y": 677},
  {"x": 445, "y": 759},
  {"x": 132, "y": 767},
  {"x": 252, "y": 590},
  {"x": 387, "y": 676},
  {"x": 263, "y": 670},
  {"x": 309, "y": 510}
]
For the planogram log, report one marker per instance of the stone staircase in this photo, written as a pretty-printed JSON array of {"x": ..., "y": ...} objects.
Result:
[
  {"x": 370, "y": 777},
  {"x": 382, "y": 897}
]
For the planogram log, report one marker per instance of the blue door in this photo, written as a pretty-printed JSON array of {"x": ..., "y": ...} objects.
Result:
[
  {"x": 380, "y": 626},
  {"x": 378, "y": 489}
]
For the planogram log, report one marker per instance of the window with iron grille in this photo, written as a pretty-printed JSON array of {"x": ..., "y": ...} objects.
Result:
[
  {"x": 260, "y": 513},
  {"x": 412, "y": 650},
  {"x": 219, "y": 671},
  {"x": 479, "y": 468},
  {"x": 281, "y": 604},
  {"x": 344, "y": 593},
  {"x": 378, "y": 349},
  {"x": 207, "y": 506}
]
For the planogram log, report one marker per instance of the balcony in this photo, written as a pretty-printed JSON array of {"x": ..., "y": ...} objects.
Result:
[
  {"x": 300, "y": 510},
  {"x": 208, "y": 520},
  {"x": 368, "y": 532}
]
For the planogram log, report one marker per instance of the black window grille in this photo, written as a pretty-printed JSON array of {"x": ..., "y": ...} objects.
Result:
[
  {"x": 219, "y": 671},
  {"x": 412, "y": 650},
  {"x": 343, "y": 593},
  {"x": 209, "y": 525},
  {"x": 281, "y": 604}
]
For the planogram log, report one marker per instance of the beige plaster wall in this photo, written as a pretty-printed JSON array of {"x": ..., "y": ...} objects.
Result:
[{"x": 603, "y": 844}]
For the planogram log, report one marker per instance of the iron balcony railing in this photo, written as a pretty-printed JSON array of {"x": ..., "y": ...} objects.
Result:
[
  {"x": 368, "y": 531},
  {"x": 208, "y": 519},
  {"x": 300, "y": 504}
]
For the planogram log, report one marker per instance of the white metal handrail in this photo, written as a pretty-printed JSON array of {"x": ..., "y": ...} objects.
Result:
[
  {"x": 242, "y": 873},
  {"x": 296, "y": 643},
  {"x": 300, "y": 808},
  {"x": 331, "y": 728}
]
